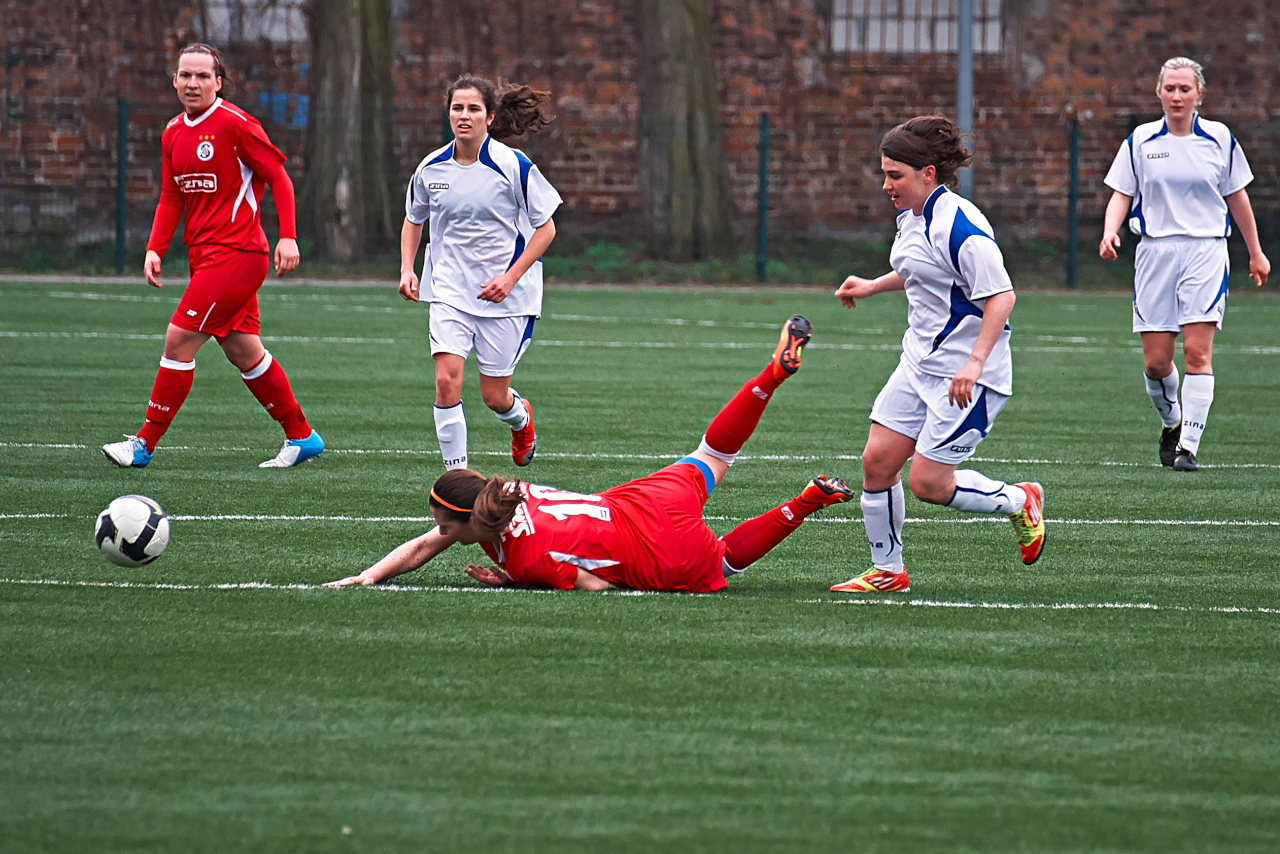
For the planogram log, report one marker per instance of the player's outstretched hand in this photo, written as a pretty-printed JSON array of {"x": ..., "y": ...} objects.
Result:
[
  {"x": 287, "y": 255},
  {"x": 1107, "y": 248},
  {"x": 491, "y": 575},
  {"x": 151, "y": 269},
  {"x": 853, "y": 289},
  {"x": 351, "y": 581}
]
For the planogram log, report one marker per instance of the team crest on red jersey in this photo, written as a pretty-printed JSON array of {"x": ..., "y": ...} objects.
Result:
[{"x": 205, "y": 151}]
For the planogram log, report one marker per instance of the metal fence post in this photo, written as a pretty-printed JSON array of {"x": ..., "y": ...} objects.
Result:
[
  {"x": 762, "y": 203},
  {"x": 1073, "y": 207},
  {"x": 122, "y": 183}
]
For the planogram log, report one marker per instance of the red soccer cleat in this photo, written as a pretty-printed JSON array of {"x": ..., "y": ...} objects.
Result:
[
  {"x": 1029, "y": 523},
  {"x": 524, "y": 442}
]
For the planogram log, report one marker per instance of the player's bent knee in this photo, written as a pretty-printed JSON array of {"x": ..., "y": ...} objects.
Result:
[{"x": 931, "y": 491}]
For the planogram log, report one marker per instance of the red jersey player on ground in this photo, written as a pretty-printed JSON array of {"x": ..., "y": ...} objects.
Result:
[
  {"x": 648, "y": 534},
  {"x": 217, "y": 162}
]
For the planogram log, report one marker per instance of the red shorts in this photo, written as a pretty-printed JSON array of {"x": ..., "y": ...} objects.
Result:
[
  {"x": 222, "y": 296},
  {"x": 671, "y": 546}
]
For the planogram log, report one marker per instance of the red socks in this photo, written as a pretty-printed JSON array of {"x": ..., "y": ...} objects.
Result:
[
  {"x": 755, "y": 538},
  {"x": 172, "y": 386},
  {"x": 735, "y": 423},
  {"x": 270, "y": 385}
]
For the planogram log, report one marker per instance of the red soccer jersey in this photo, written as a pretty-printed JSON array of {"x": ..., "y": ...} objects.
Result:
[
  {"x": 216, "y": 168},
  {"x": 648, "y": 534}
]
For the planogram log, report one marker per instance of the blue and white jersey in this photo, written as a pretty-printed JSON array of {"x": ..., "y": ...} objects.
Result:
[
  {"x": 482, "y": 217},
  {"x": 1178, "y": 182},
  {"x": 951, "y": 263}
]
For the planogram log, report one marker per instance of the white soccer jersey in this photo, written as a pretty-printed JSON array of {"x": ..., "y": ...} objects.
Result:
[
  {"x": 951, "y": 263},
  {"x": 482, "y": 217},
  {"x": 1178, "y": 182}
]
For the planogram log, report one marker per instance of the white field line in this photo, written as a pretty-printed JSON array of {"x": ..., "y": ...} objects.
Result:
[
  {"x": 125, "y": 336},
  {"x": 405, "y": 588},
  {"x": 347, "y": 302},
  {"x": 836, "y": 520},
  {"x": 669, "y": 457},
  {"x": 894, "y": 346}
]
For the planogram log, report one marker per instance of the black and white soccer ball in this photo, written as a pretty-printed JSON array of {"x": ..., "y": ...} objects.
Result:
[{"x": 132, "y": 531}]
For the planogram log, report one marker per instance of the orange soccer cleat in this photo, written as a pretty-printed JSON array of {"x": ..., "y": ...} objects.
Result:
[
  {"x": 1029, "y": 523},
  {"x": 876, "y": 581}
]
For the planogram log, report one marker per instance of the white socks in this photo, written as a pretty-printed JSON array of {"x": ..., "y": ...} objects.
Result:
[
  {"x": 1197, "y": 397},
  {"x": 883, "y": 513},
  {"x": 517, "y": 417},
  {"x": 976, "y": 493},
  {"x": 1164, "y": 396},
  {"x": 451, "y": 432}
]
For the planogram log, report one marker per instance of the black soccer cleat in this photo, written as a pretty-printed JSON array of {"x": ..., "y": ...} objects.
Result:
[
  {"x": 1185, "y": 461},
  {"x": 1169, "y": 437}
]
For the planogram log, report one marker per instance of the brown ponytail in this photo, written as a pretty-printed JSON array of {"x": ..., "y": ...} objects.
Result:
[
  {"x": 516, "y": 109},
  {"x": 489, "y": 504}
]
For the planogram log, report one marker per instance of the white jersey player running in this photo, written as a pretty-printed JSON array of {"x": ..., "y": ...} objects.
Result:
[
  {"x": 956, "y": 373},
  {"x": 1180, "y": 181},
  {"x": 490, "y": 212}
]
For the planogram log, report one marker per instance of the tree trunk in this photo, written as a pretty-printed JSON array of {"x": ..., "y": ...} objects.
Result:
[
  {"x": 346, "y": 193},
  {"x": 684, "y": 174}
]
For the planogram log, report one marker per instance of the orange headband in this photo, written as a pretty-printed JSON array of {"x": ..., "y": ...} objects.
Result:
[{"x": 447, "y": 504}]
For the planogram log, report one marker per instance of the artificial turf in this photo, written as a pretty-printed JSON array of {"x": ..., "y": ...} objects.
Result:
[{"x": 1121, "y": 695}]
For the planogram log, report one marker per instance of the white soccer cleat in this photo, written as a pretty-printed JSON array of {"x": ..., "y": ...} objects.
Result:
[
  {"x": 296, "y": 452},
  {"x": 131, "y": 453}
]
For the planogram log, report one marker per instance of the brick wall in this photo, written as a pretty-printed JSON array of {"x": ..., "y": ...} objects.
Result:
[{"x": 1094, "y": 61}]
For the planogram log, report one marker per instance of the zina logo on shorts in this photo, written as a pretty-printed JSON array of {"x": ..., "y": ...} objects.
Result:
[
  {"x": 436, "y": 185},
  {"x": 205, "y": 150}
]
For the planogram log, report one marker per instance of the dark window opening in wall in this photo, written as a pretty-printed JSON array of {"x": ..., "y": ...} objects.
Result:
[
  {"x": 909, "y": 27},
  {"x": 228, "y": 22}
]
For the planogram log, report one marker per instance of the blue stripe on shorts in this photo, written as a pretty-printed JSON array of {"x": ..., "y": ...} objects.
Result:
[{"x": 702, "y": 467}]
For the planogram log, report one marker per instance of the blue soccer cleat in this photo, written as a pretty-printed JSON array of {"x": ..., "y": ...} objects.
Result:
[
  {"x": 132, "y": 453},
  {"x": 295, "y": 452}
]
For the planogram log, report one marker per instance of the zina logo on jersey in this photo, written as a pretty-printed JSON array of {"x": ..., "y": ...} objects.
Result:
[
  {"x": 205, "y": 151},
  {"x": 436, "y": 185},
  {"x": 197, "y": 182}
]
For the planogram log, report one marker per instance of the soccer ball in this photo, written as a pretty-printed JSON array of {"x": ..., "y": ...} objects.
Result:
[{"x": 132, "y": 531}]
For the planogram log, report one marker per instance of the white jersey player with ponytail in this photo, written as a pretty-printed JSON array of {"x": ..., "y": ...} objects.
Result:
[
  {"x": 956, "y": 372},
  {"x": 489, "y": 210},
  {"x": 1180, "y": 182}
]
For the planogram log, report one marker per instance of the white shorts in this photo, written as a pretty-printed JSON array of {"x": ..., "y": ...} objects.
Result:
[
  {"x": 916, "y": 405},
  {"x": 1179, "y": 280},
  {"x": 499, "y": 342}
]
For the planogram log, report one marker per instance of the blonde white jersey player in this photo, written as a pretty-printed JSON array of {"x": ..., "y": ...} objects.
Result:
[
  {"x": 1180, "y": 182},
  {"x": 490, "y": 213},
  {"x": 956, "y": 372}
]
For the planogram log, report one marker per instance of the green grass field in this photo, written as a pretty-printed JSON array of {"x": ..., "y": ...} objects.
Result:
[{"x": 1121, "y": 695}]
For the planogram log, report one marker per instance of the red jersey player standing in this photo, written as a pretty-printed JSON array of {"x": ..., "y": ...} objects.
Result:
[
  {"x": 648, "y": 534},
  {"x": 217, "y": 162}
]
